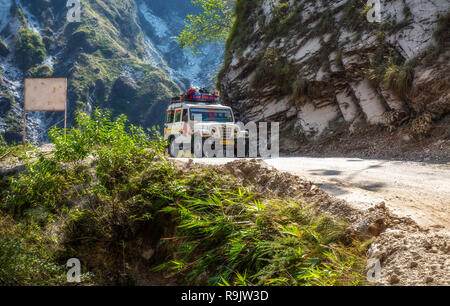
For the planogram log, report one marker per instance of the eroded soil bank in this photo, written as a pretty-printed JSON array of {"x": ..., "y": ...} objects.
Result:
[{"x": 408, "y": 254}]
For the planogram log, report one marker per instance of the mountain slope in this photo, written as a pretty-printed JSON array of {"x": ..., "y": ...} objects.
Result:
[
  {"x": 319, "y": 67},
  {"x": 121, "y": 56}
]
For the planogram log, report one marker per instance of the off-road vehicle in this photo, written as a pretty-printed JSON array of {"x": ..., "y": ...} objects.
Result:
[{"x": 192, "y": 120}]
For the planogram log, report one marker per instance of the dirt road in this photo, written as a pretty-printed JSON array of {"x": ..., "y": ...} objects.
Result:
[{"x": 410, "y": 189}]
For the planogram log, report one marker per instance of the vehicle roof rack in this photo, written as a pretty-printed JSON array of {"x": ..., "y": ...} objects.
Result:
[{"x": 196, "y": 98}]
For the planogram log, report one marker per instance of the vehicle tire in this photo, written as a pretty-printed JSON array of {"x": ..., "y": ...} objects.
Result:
[
  {"x": 246, "y": 148},
  {"x": 173, "y": 149},
  {"x": 198, "y": 147},
  {"x": 206, "y": 153}
]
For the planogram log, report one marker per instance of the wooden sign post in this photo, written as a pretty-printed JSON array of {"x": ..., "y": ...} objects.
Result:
[{"x": 44, "y": 95}]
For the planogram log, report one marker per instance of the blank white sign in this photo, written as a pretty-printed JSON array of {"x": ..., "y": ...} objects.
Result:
[{"x": 45, "y": 95}]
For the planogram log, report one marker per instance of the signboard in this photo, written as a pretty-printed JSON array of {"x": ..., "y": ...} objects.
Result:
[
  {"x": 45, "y": 95},
  {"x": 203, "y": 97}
]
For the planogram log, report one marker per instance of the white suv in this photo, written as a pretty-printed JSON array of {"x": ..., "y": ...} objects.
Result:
[{"x": 190, "y": 124}]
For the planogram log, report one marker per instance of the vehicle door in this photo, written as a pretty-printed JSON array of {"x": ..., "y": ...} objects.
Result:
[
  {"x": 168, "y": 125},
  {"x": 177, "y": 126},
  {"x": 187, "y": 131}
]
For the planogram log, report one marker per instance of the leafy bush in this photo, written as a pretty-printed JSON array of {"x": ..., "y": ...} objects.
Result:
[
  {"x": 98, "y": 134},
  {"x": 22, "y": 263},
  {"x": 30, "y": 50},
  {"x": 4, "y": 51},
  {"x": 44, "y": 184},
  {"x": 399, "y": 79},
  {"x": 42, "y": 71},
  {"x": 299, "y": 88}
]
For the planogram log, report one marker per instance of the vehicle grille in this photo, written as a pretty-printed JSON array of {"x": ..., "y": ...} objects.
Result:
[{"x": 227, "y": 132}]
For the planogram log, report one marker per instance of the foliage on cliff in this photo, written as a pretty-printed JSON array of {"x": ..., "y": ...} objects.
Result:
[
  {"x": 30, "y": 50},
  {"x": 107, "y": 44},
  {"x": 212, "y": 24}
]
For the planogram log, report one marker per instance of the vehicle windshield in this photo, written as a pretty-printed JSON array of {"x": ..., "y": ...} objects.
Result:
[{"x": 211, "y": 115}]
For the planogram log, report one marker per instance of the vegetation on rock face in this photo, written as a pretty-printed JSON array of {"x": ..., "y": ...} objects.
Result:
[
  {"x": 4, "y": 51},
  {"x": 30, "y": 50},
  {"x": 3, "y": 146},
  {"x": 94, "y": 53},
  {"x": 272, "y": 67},
  {"x": 42, "y": 71},
  {"x": 107, "y": 194},
  {"x": 442, "y": 33},
  {"x": 212, "y": 24}
]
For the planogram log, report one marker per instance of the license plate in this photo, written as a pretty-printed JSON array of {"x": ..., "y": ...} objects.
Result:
[{"x": 227, "y": 142}]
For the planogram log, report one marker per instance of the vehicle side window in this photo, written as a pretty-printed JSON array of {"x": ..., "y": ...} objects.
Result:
[
  {"x": 170, "y": 116},
  {"x": 178, "y": 116},
  {"x": 185, "y": 115}
]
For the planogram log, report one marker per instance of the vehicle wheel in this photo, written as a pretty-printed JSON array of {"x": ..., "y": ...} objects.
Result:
[
  {"x": 246, "y": 148},
  {"x": 208, "y": 154},
  {"x": 173, "y": 148},
  {"x": 198, "y": 147}
]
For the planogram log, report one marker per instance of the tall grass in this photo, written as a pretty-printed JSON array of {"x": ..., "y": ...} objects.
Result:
[
  {"x": 236, "y": 238},
  {"x": 398, "y": 78}
]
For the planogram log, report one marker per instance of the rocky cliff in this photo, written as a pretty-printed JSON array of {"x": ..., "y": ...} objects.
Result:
[
  {"x": 121, "y": 56},
  {"x": 321, "y": 68}
]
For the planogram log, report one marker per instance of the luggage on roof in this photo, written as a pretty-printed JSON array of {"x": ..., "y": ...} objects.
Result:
[{"x": 192, "y": 95}]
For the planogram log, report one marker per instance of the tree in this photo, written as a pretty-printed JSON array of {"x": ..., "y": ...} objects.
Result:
[{"x": 212, "y": 24}]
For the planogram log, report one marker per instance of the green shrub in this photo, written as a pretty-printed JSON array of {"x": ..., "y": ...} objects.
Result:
[
  {"x": 202, "y": 223},
  {"x": 21, "y": 262},
  {"x": 30, "y": 50},
  {"x": 354, "y": 15},
  {"x": 399, "y": 79},
  {"x": 4, "y": 51},
  {"x": 98, "y": 134},
  {"x": 42, "y": 71},
  {"x": 43, "y": 185}
]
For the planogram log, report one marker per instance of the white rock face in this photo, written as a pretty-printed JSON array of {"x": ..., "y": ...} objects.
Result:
[
  {"x": 276, "y": 107},
  {"x": 370, "y": 102},
  {"x": 347, "y": 105},
  {"x": 330, "y": 62},
  {"x": 415, "y": 37},
  {"x": 307, "y": 49},
  {"x": 315, "y": 120},
  {"x": 393, "y": 100}
]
